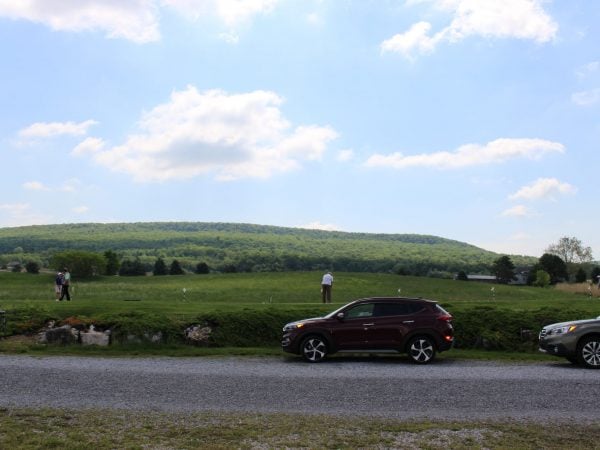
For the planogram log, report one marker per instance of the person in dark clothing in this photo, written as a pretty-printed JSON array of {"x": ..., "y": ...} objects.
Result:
[{"x": 65, "y": 286}]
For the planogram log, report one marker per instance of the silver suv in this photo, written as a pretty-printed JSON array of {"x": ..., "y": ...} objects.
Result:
[{"x": 578, "y": 341}]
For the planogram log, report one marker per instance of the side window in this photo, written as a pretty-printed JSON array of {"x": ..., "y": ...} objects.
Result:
[
  {"x": 392, "y": 309},
  {"x": 364, "y": 310},
  {"x": 416, "y": 307}
]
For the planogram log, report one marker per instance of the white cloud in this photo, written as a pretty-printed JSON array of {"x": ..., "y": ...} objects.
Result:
[
  {"x": 20, "y": 214},
  {"x": 315, "y": 19},
  {"x": 35, "y": 186},
  {"x": 543, "y": 188},
  {"x": 90, "y": 145},
  {"x": 521, "y": 19},
  {"x": 71, "y": 185},
  {"x": 53, "y": 129},
  {"x": 230, "y": 37},
  {"x": 134, "y": 20},
  {"x": 415, "y": 39},
  {"x": 588, "y": 69},
  {"x": 231, "y": 12},
  {"x": 231, "y": 135},
  {"x": 14, "y": 208},
  {"x": 80, "y": 209},
  {"x": 518, "y": 211},
  {"x": 345, "y": 155},
  {"x": 586, "y": 98},
  {"x": 320, "y": 226},
  {"x": 497, "y": 151}
]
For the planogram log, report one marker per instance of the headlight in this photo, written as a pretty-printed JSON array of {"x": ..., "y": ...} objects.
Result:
[
  {"x": 564, "y": 330},
  {"x": 293, "y": 326}
]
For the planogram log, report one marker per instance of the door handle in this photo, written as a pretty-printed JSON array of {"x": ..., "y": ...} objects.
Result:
[
  {"x": 368, "y": 324},
  {"x": 408, "y": 321}
]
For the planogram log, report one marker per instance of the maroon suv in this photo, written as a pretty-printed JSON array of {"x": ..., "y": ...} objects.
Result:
[{"x": 414, "y": 326}]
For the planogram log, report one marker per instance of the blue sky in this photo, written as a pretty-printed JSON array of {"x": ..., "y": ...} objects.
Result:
[{"x": 474, "y": 120}]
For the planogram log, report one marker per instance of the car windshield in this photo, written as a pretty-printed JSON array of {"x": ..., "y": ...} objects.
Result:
[{"x": 334, "y": 313}]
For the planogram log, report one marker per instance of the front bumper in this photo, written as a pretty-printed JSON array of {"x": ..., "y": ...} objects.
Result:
[
  {"x": 562, "y": 345},
  {"x": 289, "y": 342}
]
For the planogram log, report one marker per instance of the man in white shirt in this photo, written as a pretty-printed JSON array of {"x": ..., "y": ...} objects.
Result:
[{"x": 326, "y": 286}]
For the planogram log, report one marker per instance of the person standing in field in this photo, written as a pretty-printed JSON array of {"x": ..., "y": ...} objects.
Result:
[
  {"x": 58, "y": 284},
  {"x": 65, "y": 285},
  {"x": 326, "y": 287}
]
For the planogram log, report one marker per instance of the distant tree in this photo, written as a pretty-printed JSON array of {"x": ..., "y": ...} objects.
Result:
[
  {"x": 542, "y": 278},
  {"x": 580, "y": 276},
  {"x": 17, "y": 268},
  {"x": 32, "y": 267},
  {"x": 571, "y": 250},
  {"x": 229, "y": 268},
  {"x": 132, "y": 268},
  {"x": 160, "y": 268},
  {"x": 555, "y": 266},
  {"x": 112, "y": 262},
  {"x": 81, "y": 264},
  {"x": 202, "y": 268},
  {"x": 176, "y": 268},
  {"x": 462, "y": 276},
  {"x": 504, "y": 269}
]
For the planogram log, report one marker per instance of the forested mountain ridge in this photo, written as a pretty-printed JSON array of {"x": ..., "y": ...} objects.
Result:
[{"x": 247, "y": 247}]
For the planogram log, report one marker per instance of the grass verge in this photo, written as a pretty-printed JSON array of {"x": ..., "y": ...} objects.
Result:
[
  {"x": 28, "y": 345},
  {"x": 108, "y": 429}
]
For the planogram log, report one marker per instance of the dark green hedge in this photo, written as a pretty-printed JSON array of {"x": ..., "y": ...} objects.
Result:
[{"x": 482, "y": 327}]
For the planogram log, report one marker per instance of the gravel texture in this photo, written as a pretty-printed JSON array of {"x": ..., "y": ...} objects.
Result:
[{"x": 385, "y": 387}]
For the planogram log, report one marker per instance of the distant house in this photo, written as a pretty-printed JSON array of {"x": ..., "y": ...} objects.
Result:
[
  {"x": 520, "y": 278},
  {"x": 482, "y": 278},
  {"x": 11, "y": 265}
]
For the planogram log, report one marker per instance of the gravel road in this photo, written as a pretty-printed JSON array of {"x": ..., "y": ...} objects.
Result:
[{"x": 388, "y": 387}]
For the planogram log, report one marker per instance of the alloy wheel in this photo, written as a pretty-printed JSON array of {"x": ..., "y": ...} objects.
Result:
[
  {"x": 590, "y": 353},
  {"x": 421, "y": 350},
  {"x": 314, "y": 349}
]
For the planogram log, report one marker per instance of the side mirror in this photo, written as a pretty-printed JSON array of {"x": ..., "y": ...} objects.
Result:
[{"x": 340, "y": 316}]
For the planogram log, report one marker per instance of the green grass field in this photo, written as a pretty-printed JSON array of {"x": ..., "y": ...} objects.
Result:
[
  {"x": 250, "y": 309},
  {"x": 260, "y": 290}
]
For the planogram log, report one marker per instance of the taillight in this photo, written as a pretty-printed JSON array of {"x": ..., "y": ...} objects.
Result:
[{"x": 445, "y": 318}]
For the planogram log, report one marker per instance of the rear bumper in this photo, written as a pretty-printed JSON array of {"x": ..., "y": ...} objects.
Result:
[{"x": 445, "y": 345}]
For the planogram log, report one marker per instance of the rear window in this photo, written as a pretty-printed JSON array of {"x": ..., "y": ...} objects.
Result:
[{"x": 441, "y": 310}]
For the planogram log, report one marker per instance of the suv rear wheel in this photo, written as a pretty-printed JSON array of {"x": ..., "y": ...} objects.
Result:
[
  {"x": 314, "y": 348},
  {"x": 421, "y": 349},
  {"x": 588, "y": 352}
]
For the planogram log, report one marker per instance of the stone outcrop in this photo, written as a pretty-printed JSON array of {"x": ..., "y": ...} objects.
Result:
[
  {"x": 198, "y": 334},
  {"x": 93, "y": 337},
  {"x": 60, "y": 335}
]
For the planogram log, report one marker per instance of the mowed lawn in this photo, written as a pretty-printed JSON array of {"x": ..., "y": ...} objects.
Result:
[{"x": 188, "y": 294}]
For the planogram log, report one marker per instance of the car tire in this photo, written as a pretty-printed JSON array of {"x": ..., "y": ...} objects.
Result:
[
  {"x": 314, "y": 349},
  {"x": 588, "y": 352},
  {"x": 421, "y": 349},
  {"x": 572, "y": 359}
]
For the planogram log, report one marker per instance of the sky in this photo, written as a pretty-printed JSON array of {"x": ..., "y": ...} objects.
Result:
[{"x": 473, "y": 120}]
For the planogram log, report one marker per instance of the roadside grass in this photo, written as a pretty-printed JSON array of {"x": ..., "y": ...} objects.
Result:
[
  {"x": 28, "y": 429},
  {"x": 28, "y": 345}
]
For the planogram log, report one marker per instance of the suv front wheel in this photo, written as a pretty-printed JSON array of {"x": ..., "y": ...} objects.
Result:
[
  {"x": 314, "y": 348},
  {"x": 421, "y": 349},
  {"x": 588, "y": 352}
]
